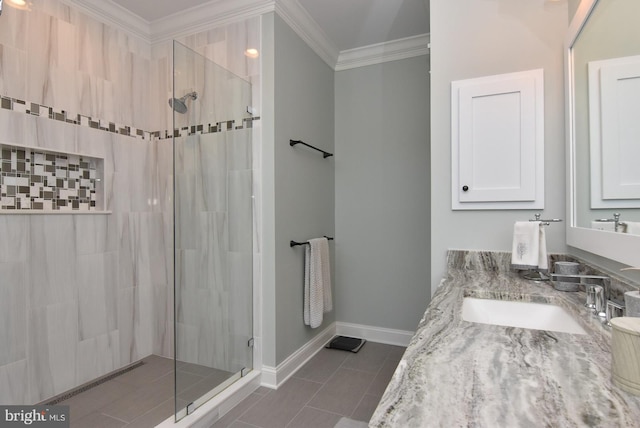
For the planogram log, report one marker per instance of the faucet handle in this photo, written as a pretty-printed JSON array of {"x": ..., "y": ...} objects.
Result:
[{"x": 614, "y": 310}]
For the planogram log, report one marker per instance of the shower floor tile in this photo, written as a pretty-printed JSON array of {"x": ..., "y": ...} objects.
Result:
[{"x": 142, "y": 397}]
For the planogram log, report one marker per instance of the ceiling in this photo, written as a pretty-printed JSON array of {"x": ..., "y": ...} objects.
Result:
[{"x": 348, "y": 24}]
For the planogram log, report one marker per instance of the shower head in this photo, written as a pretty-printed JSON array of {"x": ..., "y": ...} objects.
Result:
[{"x": 180, "y": 104}]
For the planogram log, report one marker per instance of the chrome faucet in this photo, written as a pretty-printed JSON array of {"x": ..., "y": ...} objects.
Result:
[
  {"x": 619, "y": 226},
  {"x": 598, "y": 296}
]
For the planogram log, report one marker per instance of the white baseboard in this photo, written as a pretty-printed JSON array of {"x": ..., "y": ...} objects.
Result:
[
  {"x": 375, "y": 334},
  {"x": 274, "y": 377}
]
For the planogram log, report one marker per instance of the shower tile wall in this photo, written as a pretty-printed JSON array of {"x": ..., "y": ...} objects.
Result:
[
  {"x": 214, "y": 260},
  {"x": 206, "y": 193},
  {"x": 223, "y": 46},
  {"x": 86, "y": 294},
  {"x": 82, "y": 295},
  {"x": 54, "y": 55}
]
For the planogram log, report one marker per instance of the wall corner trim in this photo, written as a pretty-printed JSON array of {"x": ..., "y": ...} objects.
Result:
[
  {"x": 378, "y": 53},
  {"x": 207, "y": 16},
  {"x": 222, "y": 12},
  {"x": 189, "y": 21},
  {"x": 303, "y": 24}
]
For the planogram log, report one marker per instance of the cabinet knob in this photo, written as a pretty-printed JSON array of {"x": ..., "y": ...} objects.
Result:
[{"x": 465, "y": 188}]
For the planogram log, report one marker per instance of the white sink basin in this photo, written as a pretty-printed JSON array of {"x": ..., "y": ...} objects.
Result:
[{"x": 536, "y": 316}]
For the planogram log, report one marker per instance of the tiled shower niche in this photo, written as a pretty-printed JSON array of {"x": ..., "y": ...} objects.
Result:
[{"x": 35, "y": 180}]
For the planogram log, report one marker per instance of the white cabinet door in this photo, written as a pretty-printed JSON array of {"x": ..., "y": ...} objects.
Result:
[
  {"x": 498, "y": 142},
  {"x": 614, "y": 106}
]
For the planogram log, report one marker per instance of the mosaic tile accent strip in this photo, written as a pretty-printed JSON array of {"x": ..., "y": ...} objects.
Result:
[
  {"x": 31, "y": 179},
  {"x": 34, "y": 109},
  {"x": 224, "y": 126}
]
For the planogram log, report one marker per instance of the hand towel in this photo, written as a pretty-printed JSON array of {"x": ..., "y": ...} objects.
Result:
[
  {"x": 633, "y": 227},
  {"x": 543, "y": 259},
  {"x": 529, "y": 250},
  {"x": 317, "y": 282}
]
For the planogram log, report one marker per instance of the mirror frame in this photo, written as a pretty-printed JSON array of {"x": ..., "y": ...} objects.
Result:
[{"x": 620, "y": 247}]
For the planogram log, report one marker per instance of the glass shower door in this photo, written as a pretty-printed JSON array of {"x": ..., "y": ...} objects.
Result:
[{"x": 213, "y": 235}]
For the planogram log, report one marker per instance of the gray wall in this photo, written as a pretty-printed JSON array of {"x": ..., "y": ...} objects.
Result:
[
  {"x": 304, "y": 181},
  {"x": 487, "y": 38},
  {"x": 382, "y": 194}
]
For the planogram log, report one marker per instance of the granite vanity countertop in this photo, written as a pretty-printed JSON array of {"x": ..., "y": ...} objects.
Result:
[{"x": 456, "y": 373}]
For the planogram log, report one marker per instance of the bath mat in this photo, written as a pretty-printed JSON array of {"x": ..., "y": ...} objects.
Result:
[{"x": 344, "y": 343}]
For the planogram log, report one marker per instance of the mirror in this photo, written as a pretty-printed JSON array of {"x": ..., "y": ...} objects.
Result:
[{"x": 603, "y": 101}]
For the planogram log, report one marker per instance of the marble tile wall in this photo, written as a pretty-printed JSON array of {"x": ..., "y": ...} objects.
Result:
[
  {"x": 214, "y": 242},
  {"x": 88, "y": 294},
  {"x": 217, "y": 48},
  {"x": 219, "y": 178},
  {"x": 54, "y": 55},
  {"x": 84, "y": 295}
]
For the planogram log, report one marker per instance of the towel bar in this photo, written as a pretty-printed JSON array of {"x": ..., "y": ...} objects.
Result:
[
  {"x": 547, "y": 221},
  {"x": 324, "y": 154},
  {"x": 294, "y": 243}
]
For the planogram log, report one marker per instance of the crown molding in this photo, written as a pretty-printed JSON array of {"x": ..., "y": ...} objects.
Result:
[
  {"x": 115, "y": 15},
  {"x": 301, "y": 22},
  {"x": 207, "y": 16},
  {"x": 383, "y": 52},
  {"x": 217, "y": 13}
]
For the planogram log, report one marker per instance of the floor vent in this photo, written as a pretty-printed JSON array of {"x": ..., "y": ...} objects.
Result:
[
  {"x": 344, "y": 343},
  {"x": 87, "y": 386}
]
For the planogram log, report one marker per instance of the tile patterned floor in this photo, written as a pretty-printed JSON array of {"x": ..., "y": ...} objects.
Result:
[
  {"x": 142, "y": 397},
  {"x": 331, "y": 385}
]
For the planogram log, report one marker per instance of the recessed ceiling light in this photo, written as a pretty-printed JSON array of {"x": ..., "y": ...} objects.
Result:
[{"x": 252, "y": 53}]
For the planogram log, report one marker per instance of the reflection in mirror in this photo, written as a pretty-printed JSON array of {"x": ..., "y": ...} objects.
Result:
[{"x": 606, "y": 90}]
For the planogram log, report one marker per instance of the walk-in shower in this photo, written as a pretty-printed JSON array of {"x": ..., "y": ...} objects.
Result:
[
  {"x": 127, "y": 253},
  {"x": 180, "y": 104}
]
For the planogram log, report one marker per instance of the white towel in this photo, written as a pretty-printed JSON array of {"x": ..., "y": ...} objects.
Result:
[
  {"x": 529, "y": 250},
  {"x": 317, "y": 282}
]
